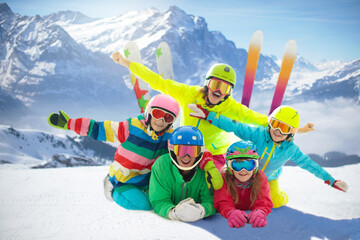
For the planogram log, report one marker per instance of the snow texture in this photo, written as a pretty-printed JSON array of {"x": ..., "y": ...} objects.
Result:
[{"x": 68, "y": 203}]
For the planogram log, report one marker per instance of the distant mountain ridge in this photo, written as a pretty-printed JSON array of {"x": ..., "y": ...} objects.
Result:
[{"x": 39, "y": 149}]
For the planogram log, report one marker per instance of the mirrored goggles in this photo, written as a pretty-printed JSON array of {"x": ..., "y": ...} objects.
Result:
[
  {"x": 183, "y": 150},
  {"x": 161, "y": 114},
  {"x": 238, "y": 165},
  {"x": 217, "y": 84},
  {"x": 283, "y": 127}
]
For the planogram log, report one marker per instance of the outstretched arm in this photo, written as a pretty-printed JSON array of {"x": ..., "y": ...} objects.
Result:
[{"x": 119, "y": 58}]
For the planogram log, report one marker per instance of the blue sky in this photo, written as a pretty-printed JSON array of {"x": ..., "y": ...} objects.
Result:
[{"x": 323, "y": 29}]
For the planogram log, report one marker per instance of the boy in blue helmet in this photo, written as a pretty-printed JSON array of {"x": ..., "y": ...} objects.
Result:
[{"x": 178, "y": 188}]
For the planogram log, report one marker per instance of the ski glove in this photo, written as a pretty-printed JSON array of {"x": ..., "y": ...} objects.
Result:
[
  {"x": 199, "y": 112},
  {"x": 59, "y": 120},
  {"x": 236, "y": 218},
  {"x": 187, "y": 211},
  {"x": 213, "y": 176},
  {"x": 257, "y": 218},
  {"x": 339, "y": 185}
]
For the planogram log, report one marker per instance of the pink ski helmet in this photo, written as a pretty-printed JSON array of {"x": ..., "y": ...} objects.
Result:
[{"x": 164, "y": 102}]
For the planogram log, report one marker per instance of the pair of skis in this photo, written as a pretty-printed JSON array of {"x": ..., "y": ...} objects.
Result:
[
  {"x": 164, "y": 65},
  {"x": 251, "y": 66},
  {"x": 165, "y": 69}
]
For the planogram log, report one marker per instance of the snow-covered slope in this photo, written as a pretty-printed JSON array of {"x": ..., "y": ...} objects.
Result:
[{"x": 69, "y": 203}]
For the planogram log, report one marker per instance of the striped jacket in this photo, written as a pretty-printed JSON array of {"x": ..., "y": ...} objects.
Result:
[{"x": 138, "y": 148}]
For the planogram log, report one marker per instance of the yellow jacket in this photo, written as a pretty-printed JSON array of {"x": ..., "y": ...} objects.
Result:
[{"x": 216, "y": 140}]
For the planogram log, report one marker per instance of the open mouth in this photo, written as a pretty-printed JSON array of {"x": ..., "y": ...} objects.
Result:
[
  {"x": 185, "y": 162},
  {"x": 217, "y": 94}
]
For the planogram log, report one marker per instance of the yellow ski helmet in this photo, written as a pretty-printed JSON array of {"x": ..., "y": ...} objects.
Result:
[
  {"x": 286, "y": 115},
  {"x": 222, "y": 71}
]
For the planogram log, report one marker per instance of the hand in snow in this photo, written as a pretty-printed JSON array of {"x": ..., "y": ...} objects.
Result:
[
  {"x": 187, "y": 211},
  {"x": 257, "y": 218},
  {"x": 199, "y": 112},
  {"x": 236, "y": 218},
  {"x": 119, "y": 58},
  {"x": 59, "y": 120},
  {"x": 309, "y": 127}
]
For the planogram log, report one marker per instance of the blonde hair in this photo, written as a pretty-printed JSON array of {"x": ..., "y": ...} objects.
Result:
[{"x": 231, "y": 187}]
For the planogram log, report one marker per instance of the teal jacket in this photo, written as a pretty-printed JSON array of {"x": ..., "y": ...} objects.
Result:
[
  {"x": 273, "y": 156},
  {"x": 167, "y": 188}
]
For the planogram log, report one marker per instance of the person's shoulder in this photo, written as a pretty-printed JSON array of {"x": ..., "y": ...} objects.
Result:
[{"x": 164, "y": 161}]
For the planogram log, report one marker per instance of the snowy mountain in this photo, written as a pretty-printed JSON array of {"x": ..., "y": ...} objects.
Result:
[
  {"x": 194, "y": 47},
  {"x": 340, "y": 82},
  {"x": 44, "y": 68},
  {"x": 69, "y": 17},
  {"x": 31, "y": 148}
]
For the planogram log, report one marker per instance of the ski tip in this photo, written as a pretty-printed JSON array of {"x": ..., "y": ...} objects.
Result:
[
  {"x": 257, "y": 37},
  {"x": 291, "y": 45}
]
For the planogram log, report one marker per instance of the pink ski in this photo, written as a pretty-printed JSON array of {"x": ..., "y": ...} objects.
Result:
[{"x": 284, "y": 75}]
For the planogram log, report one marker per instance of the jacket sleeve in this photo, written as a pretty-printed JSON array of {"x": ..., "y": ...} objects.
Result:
[
  {"x": 243, "y": 114},
  {"x": 160, "y": 191},
  {"x": 207, "y": 157},
  {"x": 170, "y": 87},
  {"x": 305, "y": 162},
  {"x": 107, "y": 131},
  {"x": 242, "y": 130},
  {"x": 263, "y": 200},
  {"x": 223, "y": 201}
]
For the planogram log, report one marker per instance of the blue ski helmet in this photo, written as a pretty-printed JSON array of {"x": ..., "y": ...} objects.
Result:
[{"x": 186, "y": 135}]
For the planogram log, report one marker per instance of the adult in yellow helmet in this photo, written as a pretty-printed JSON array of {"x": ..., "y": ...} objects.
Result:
[
  {"x": 214, "y": 95},
  {"x": 275, "y": 146}
]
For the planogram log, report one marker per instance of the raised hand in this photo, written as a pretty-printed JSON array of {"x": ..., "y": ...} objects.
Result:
[
  {"x": 199, "y": 112},
  {"x": 59, "y": 120}
]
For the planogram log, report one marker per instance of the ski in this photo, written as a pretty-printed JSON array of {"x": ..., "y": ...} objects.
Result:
[
  {"x": 251, "y": 66},
  {"x": 141, "y": 88},
  {"x": 164, "y": 61},
  {"x": 284, "y": 75}
]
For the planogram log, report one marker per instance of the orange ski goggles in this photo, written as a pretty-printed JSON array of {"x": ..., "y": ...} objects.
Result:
[
  {"x": 216, "y": 84},
  {"x": 284, "y": 128}
]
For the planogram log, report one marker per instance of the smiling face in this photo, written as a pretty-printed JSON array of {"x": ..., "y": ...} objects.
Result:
[
  {"x": 158, "y": 124},
  {"x": 276, "y": 135},
  {"x": 185, "y": 161},
  {"x": 215, "y": 97},
  {"x": 243, "y": 175}
]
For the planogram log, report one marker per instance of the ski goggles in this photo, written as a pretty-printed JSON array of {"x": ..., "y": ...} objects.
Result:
[
  {"x": 161, "y": 114},
  {"x": 284, "y": 128},
  {"x": 216, "y": 84},
  {"x": 238, "y": 165},
  {"x": 183, "y": 150}
]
